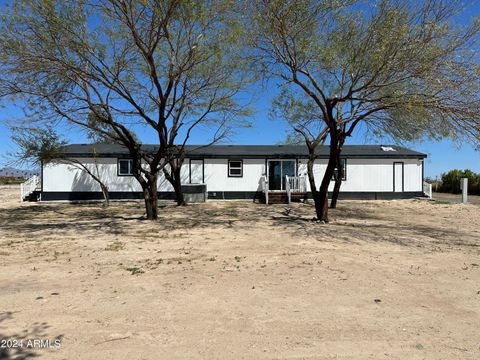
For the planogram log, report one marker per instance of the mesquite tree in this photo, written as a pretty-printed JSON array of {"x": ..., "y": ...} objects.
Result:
[
  {"x": 302, "y": 115},
  {"x": 403, "y": 68},
  {"x": 164, "y": 66}
]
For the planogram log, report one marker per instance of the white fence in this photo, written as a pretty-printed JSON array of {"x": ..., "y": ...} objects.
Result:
[
  {"x": 29, "y": 187},
  {"x": 427, "y": 189},
  {"x": 264, "y": 187},
  {"x": 295, "y": 184}
]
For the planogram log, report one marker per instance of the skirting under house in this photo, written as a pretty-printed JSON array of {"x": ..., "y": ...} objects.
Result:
[{"x": 271, "y": 173}]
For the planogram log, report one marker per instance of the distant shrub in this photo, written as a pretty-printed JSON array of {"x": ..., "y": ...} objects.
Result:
[
  {"x": 451, "y": 181},
  {"x": 10, "y": 180}
]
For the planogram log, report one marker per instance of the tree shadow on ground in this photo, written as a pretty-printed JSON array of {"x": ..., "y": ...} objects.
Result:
[
  {"x": 354, "y": 225},
  {"x": 357, "y": 222},
  {"x": 64, "y": 217},
  {"x": 17, "y": 352},
  {"x": 120, "y": 218}
]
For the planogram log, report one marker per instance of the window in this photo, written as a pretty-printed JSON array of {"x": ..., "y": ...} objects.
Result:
[
  {"x": 125, "y": 167},
  {"x": 235, "y": 168},
  {"x": 343, "y": 164}
]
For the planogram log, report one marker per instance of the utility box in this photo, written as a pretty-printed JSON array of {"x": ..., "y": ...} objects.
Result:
[
  {"x": 464, "y": 188},
  {"x": 194, "y": 193}
]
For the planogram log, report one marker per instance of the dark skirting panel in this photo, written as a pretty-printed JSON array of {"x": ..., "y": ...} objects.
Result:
[{"x": 216, "y": 195}]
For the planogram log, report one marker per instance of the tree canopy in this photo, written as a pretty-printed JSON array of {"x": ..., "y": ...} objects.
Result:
[
  {"x": 168, "y": 66},
  {"x": 402, "y": 68}
]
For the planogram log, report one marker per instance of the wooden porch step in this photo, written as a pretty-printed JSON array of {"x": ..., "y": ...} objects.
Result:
[{"x": 277, "y": 197}]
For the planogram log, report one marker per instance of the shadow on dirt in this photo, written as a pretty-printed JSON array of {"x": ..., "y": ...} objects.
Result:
[
  {"x": 356, "y": 222},
  {"x": 19, "y": 346},
  {"x": 356, "y": 225}
]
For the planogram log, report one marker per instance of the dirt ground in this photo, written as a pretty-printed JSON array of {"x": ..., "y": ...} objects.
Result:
[
  {"x": 456, "y": 198},
  {"x": 238, "y": 280}
]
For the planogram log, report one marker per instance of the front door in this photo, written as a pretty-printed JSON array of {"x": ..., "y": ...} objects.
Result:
[
  {"x": 274, "y": 175},
  {"x": 277, "y": 170}
]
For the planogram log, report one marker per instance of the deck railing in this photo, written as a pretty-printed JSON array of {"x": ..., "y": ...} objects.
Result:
[
  {"x": 427, "y": 189},
  {"x": 295, "y": 184},
  {"x": 29, "y": 186},
  {"x": 288, "y": 189},
  {"x": 264, "y": 187}
]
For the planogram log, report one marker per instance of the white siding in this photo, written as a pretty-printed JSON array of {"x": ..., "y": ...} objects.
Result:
[
  {"x": 196, "y": 171},
  {"x": 216, "y": 175},
  {"x": 64, "y": 177},
  {"x": 370, "y": 175},
  {"x": 413, "y": 171},
  {"x": 363, "y": 175}
]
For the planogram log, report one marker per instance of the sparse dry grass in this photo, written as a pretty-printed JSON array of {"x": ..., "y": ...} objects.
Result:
[{"x": 384, "y": 280}]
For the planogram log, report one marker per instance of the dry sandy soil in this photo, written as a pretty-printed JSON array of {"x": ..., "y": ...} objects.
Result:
[
  {"x": 238, "y": 280},
  {"x": 456, "y": 198}
]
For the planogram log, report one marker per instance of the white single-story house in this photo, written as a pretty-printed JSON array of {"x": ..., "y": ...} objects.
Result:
[{"x": 239, "y": 172}]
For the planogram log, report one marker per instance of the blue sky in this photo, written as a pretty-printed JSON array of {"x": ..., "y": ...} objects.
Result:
[{"x": 442, "y": 156}]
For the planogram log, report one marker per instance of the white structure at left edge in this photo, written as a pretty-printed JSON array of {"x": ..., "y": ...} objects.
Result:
[{"x": 261, "y": 172}]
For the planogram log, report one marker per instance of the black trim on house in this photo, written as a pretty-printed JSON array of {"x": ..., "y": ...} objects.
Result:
[
  {"x": 90, "y": 195},
  {"x": 233, "y": 195},
  {"x": 374, "y": 195},
  {"x": 219, "y": 195}
]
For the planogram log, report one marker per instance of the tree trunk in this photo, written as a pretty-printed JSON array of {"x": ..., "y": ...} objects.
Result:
[
  {"x": 336, "y": 191},
  {"x": 338, "y": 178},
  {"x": 321, "y": 201},
  {"x": 150, "y": 195},
  {"x": 311, "y": 177},
  {"x": 178, "y": 188},
  {"x": 174, "y": 178},
  {"x": 106, "y": 195}
]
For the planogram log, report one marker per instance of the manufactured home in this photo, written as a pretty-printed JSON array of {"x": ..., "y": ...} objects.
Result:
[{"x": 271, "y": 173}]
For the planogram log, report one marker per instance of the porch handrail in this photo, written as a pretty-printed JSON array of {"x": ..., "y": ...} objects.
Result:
[
  {"x": 297, "y": 183},
  {"x": 287, "y": 188},
  {"x": 427, "y": 189},
  {"x": 264, "y": 187},
  {"x": 29, "y": 186}
]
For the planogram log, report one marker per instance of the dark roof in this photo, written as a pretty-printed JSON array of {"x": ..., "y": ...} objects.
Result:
[{"x": 248, "y": 151}]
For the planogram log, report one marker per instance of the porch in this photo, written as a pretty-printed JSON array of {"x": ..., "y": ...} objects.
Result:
[{"x": 294, "y": 188}]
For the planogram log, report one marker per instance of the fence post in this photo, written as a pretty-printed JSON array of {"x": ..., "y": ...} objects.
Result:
[{"x": 464, "y": 187}]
